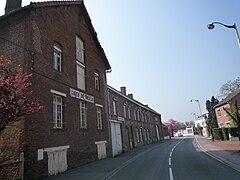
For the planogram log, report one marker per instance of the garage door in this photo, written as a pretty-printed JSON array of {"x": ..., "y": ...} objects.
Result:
[{"x": 116, "y": 138}]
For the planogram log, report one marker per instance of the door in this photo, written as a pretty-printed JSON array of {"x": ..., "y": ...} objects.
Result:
[
  {"x": 116, "y": 138},
  {"x": 157, "y": 132},
  {"x": 57, "y": 162}
]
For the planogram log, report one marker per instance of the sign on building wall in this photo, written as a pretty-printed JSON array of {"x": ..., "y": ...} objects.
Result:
[{"x": 80, "y": 95}]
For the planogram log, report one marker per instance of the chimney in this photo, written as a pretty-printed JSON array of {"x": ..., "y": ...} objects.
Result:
[
  {"x": 123, "y": 90},
  {"x": 12, "y": 5},
  {"x": 130, "y": 96}
]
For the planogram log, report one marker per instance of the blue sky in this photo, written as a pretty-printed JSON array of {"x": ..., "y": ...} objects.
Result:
[{"x": 162, "y": 51}]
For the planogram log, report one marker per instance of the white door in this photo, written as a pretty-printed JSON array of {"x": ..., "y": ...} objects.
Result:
[
  {"x": 116, "y": 138},
  {"x": 57, "y": 159},
  {"x": 157, "y": 131}
]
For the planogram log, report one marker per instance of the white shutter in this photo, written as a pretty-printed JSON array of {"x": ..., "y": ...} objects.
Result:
[{"x": 79, "y": 50}]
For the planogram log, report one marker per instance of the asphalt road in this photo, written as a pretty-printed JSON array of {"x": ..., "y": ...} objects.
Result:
[{"x": 177, "y": 159}]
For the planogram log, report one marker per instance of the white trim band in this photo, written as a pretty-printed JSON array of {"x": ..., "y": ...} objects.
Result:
[
  {"x": 58, "y": 93},
  {"x": 59, "y": 148}
]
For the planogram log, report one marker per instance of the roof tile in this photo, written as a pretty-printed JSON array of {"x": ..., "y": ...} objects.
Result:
[{"x": 55, "y": 3}]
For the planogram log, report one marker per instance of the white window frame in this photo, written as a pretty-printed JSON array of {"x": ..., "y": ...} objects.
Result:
[
  {"x": 137, "y": 132},
  {"x": 80, "y": 50},
  {"x": 135, "y": 114},
  {"x": 57, "y": 59},
  {"x": 97, "y": 82},
  {"x": 124, "y": 111},
  {"x": 140, "y": 134},
  {"x": 129, "y": 112},
  {"x": 143, "y": 119},
  {"x": 83, "y": 115},
  {"x": 81, "y": 76},
  {"x": 99, "y": 110},
  {"x": 57, "y": 113},
  {"x": 114, "y": 107}
]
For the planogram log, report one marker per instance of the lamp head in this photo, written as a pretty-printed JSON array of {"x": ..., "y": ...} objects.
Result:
[{"x": 210, "y": 26}]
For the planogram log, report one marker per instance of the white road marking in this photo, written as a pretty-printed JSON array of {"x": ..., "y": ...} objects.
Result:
[
  {"x": 170, "y": 174},
  {"x": 170, "y": 161}
]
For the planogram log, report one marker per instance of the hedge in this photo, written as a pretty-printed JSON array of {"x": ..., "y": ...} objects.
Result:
[
  {"x": 233, "y": 131},
  {"x": 225, "y": 133},
  {"x": 217, "y": 133}
]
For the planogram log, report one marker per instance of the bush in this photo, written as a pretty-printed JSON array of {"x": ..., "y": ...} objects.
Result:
[
  {"x": 233, "y": 131},
  {"x": 225, "y": 133},
  {"x": 217, "y": 133}
]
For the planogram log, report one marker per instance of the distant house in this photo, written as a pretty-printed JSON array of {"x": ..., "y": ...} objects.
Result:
[
  {"x": 132, "y": 123},
  {"x": 222, "y": 118},
  {"x": 200, "y": 121}
]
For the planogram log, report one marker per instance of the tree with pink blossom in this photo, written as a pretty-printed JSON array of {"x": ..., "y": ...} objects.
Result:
[
  {"x": 172, "y": 125},
  {"x": 14, "y": 94}
]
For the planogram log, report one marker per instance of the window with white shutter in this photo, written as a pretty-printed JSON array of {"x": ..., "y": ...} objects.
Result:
[{"x": 79, "y": 50}]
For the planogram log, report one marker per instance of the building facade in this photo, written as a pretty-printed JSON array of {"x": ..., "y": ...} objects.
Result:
[
  {"x": 222, "y": 118},
  {"x": 132, "y": 123},
  {"x": 56, "y": 42}
]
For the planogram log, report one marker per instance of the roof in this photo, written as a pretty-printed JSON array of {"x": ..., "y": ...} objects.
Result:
[
  {"x": 146, "y": 107},
  {"x": 65, "y": 3},
  {"x": 55, "y": 3},
  {"x": 228, "y": 99}
]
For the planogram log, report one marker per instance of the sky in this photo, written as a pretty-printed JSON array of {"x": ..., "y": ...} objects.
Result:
[{"x": 163, "y": 52}]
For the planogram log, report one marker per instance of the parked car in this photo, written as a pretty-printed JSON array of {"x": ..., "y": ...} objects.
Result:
[{"x": 180, "y": 134}]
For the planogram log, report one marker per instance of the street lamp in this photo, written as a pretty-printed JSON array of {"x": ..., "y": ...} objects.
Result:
[
  {"x": 196, "y": 100},
  {"x": 212, "y": 26},
  {"x": 195, "y": 115}
]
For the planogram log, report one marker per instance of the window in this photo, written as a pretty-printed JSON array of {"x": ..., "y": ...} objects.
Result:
[
  {"x": 114, "y": 107},
  {"x": 135, "y": 114},
  {"x": 140, "y": 134},
  {"x": 129, "y": 112},
  {"x": 99, "y": 118},
  {"x": 57, "y": 59},
  {"x": 57, "y": 112},
  {"x": 124, "y": 111},
  {"x": 97, "y": 84},
  {"x": 219, "y": 112},
  {"x": 143, "y": 117},
  {"x": 79, "y": 50},
  {"x": 80, "y": 76},
  {"x": 83, "y": 115},
  {"x": 138, "y": 115},
  {"x": 146, "y": 117},
  {"x": 137, "y": 133}
]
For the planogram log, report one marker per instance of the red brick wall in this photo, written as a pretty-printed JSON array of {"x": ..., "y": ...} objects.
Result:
[
  {"x": 131, "y": 123},
  {"x": 61, "y": 24}
]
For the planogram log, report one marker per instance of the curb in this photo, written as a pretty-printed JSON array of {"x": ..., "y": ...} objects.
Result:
[{"x": 218, "y": 158}]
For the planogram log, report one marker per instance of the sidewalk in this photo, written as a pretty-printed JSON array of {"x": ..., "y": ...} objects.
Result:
[
  {"x": 227, "y": 152},
  {"x": 100, "y": 170}
]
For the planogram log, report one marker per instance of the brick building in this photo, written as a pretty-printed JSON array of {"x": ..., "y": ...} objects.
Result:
[
  {"x": 222, "y": 118},
  {"x": 56, "y": 42},
  {"x": 132, "y": 123}
]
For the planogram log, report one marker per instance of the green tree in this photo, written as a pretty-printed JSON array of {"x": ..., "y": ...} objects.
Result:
[
  {"x": 232, "y": 110},
  {"x": 211, "y": 121}
]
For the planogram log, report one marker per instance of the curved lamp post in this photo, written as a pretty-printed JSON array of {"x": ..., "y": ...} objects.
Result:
[
  {"x": 195, "y": 115},
  {"x": 196, "y": 100},
  {"x": 212, "y": 26}
]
